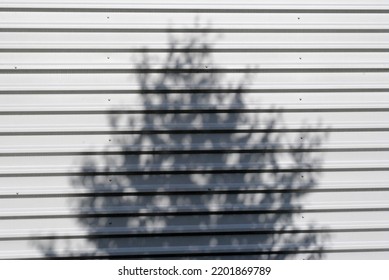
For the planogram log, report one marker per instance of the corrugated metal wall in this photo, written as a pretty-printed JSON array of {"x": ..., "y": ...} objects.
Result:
[{"x": 185, "y": 129}]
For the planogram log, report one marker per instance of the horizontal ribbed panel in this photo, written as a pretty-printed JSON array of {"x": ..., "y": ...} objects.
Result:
[{"x": 154, "y": 129}]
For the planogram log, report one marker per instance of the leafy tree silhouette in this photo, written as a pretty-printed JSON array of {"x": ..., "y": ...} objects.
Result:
[{"x": 191, "y": 170}]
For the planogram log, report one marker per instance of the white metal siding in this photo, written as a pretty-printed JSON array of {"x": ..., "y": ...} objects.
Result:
[{"x": 184, "y": 129}]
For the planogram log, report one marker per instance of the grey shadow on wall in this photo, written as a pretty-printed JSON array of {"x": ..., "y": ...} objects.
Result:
[{"x": 192, "y": 170}]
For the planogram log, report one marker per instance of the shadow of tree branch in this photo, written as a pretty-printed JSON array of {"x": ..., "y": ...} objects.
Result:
[{"x": 197, "y": 172}]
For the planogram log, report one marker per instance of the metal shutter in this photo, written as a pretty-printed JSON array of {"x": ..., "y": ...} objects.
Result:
[{"x": 181, "y": 129}]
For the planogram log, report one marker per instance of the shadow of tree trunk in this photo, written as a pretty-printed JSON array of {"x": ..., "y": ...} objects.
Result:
[{"x": 195, "y": 168}]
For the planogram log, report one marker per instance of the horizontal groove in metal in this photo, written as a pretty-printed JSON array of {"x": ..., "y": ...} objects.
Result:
[
  {"x": 163, "y": 188},
  {"x": 193, "y": 148},
  {"x": 100, "y": 26},
  {"x": 264, "y": 87},
  {"x": 191, "y": 230},
  {"x": 131, "y": 78},
  {"x": 198, "y": 70},
  {"x": 185, "y": 128},
  {"x": 253, "y": 49},
  {"x": 303, "y": 29},
  {"x": 223, "y": 7},
  {"x": 214, "y": 47},
  {"x": 192, "y": 209},
  {"x": 192, "y": 169},
  {"x": 340, "y": 89},
  {"x": 219, "y": 67},
  {"x": 263, "y": 107},
  {"x": 201, "y": 251}
]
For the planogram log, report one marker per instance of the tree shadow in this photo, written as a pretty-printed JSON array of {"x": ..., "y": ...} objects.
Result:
[{"x": 193, "y": 170}]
